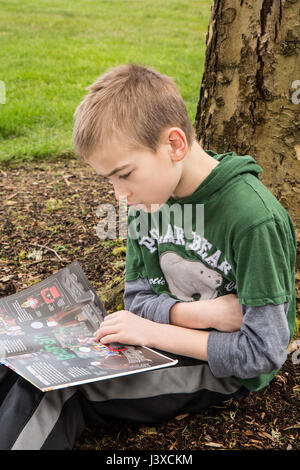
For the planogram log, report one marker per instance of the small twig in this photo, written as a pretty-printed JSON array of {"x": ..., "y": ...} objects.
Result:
[
  {"x": 34, "y": 262},
  {"x": 12, "y": 196},
  {"x": 46, "y": 248},
  {"x": 65, "y": 177}
]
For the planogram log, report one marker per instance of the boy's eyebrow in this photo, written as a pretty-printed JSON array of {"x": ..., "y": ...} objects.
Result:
[{"x": 115, "y": 170}]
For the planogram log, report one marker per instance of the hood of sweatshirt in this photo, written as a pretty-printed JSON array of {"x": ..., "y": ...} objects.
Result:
[{"x": 230, "y": 167}]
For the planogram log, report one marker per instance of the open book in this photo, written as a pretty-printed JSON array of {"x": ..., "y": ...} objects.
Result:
[{"x": 46, "y": 335}]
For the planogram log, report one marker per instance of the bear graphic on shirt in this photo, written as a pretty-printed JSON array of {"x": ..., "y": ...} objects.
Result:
[{"x": 188, "y": 277}]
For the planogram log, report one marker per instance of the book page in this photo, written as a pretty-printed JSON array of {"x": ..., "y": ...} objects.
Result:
[{"x": 46, "y": 335}]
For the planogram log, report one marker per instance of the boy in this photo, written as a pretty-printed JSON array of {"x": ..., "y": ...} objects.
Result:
[{"x": 222, "y": 300}]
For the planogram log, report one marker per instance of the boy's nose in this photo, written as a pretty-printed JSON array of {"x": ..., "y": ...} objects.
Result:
[{"x": 120, "y": 192}]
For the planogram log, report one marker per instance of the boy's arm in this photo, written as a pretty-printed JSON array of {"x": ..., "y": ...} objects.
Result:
[
  {"x": 259, "y": 347},
  {"x": 223, "y": 313},
  {"x": 140, "y": 299},
  {"x": 127, "y": 328}
]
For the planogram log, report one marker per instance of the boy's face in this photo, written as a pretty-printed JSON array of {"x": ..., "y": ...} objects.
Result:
[{"x": 141, "y": 176}]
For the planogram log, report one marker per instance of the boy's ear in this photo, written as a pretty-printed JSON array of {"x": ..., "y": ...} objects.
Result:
[{"x": 178, "y": 144}]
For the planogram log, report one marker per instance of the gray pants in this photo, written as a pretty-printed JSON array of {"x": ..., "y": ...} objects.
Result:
[{"x": 32, "y": 420}]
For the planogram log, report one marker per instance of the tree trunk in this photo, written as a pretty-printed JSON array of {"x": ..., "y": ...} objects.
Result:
[{"x": 250, "y": 92}]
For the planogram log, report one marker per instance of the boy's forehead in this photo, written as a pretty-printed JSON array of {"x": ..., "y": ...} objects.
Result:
[{"x": 110, "y": 158}]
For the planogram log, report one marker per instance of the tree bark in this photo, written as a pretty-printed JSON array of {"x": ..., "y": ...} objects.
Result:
[{"x": 250, "y": 92}]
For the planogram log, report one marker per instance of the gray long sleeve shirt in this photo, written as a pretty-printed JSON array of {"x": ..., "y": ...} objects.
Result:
[{"x": 259, "y": 346}]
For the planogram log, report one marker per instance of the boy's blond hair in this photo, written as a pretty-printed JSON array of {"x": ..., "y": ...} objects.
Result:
[{"x": 130, "y": 101}]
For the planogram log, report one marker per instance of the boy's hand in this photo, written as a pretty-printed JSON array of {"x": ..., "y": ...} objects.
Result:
[
  {"x": 226, "y": 313},
  {"x": 124, "y": 327}
]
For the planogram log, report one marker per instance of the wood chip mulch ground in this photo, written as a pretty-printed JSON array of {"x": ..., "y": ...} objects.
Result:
[{"x": 48, "y": 220}]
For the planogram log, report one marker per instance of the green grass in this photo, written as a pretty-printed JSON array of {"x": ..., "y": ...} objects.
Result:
[{"x": 52, "y": 50}]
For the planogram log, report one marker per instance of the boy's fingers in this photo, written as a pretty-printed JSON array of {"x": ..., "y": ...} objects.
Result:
[
  {"x": 110, "y": 319},
  {"x": 100, "y": 328},
  {"x": 96, "y": 336},
  {"x": 96, "y": 332},
  {"x": 104, "y": 331},
  {"x": 109, "y": 339}
]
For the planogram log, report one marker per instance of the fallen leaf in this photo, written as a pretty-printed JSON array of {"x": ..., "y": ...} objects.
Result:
[
  {"x": 37, "y": 255},
  {"x": 6, "y": 278},
  {"x": 293, "y": 346},
  {"x": 276, "y": 434},
  {"x": 179, "y": 417},
  {"x": 265, "y": 434},
  {"x": 291, "y": 427},
  {"x": 256, "y": 443},
  {"x": 147, "y": 430},
  {"x": 173, "y": 445},
  {"x": 281, "y": 379},
  {"x": 213, "y": 444},
  {"x": 10, "y": 203}
]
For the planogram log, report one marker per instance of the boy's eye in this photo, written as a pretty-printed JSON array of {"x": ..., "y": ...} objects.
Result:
[{"x": 125, "y": 176}]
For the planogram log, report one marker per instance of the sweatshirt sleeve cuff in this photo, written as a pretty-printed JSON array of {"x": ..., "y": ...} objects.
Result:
[{"x": 162, "y": 314}]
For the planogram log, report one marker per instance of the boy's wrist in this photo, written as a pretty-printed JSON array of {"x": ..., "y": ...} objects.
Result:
[
  {"x": 154, "y": 334},
  {"x": 178, "y": 340}
]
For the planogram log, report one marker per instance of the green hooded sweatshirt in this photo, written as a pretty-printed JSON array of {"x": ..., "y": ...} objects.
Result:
[{"x": 231, "y": 235}]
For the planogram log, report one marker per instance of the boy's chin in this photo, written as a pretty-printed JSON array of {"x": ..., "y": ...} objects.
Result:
[
  {"x": 152, "y": 207},
  {"x": 147, "y": 207}
]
